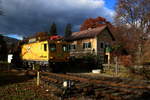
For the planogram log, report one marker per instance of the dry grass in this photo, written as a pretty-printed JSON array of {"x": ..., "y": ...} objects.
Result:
[
  {"x": 123, "y": 72},
  {"x": 18, "y": 86}
]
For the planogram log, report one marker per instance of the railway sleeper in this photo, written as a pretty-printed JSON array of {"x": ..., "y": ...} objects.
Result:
[
  {"x": 84, "y": 84},
  {"x": 103, "y": 95}
]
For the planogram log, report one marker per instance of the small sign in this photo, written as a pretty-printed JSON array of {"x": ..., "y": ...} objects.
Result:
[
  {"x": 32, "y": 40},
  {"x": 10, "y": 56}
]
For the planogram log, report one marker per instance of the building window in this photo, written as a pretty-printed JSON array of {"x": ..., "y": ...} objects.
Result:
[
  {"x": 102, "y": 44},
  {"x": 107, "y": 45},
  {"x": 72, "y": 46},
  {"x": 45, "y": 47},
  {"x": 65, "y": 48},
  {"x": 87, "y": 45},
  {"x": 52, "y": 47}
]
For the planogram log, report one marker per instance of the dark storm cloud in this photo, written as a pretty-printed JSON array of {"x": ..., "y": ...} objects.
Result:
[{"x": 29, "y": 16}]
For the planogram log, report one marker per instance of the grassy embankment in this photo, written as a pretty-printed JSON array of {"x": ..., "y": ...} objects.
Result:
[{"x": 127, "y": 72}]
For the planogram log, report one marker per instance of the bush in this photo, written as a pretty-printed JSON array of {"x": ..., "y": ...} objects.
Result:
[
  {"x": 4, "y": 65},
  {"x": 126, "y": 60}
]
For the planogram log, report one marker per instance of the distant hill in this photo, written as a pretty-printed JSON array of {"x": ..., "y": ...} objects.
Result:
[{"x": 10, "y": 40}]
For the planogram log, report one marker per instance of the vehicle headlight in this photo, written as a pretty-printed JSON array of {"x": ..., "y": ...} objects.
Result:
[{"x": 51, "y": 57}]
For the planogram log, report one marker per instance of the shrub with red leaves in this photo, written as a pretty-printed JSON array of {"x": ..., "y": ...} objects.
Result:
[{"x": 126, "y": 60}]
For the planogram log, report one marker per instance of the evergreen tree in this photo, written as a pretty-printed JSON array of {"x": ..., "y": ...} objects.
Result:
[
  {"x": 3, "y": 49},
  {"x": 53, "y": 29},
  {"x": 68, "y": 31}
]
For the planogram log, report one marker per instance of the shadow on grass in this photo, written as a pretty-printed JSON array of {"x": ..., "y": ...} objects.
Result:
[
  {"x": 7, "y": 78},
  {"x": 75, "y": 67}
]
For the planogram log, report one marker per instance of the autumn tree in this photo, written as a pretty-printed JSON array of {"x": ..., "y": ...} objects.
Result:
[
  {"x": 68, "y": 30},
  {"x": 3, "y": 49},
  {"x": 93, "y": 23},
  {"x": 124, "y": 40},
  {"x": 134, "y": 15},
  {"x": 53, "y": 29}
]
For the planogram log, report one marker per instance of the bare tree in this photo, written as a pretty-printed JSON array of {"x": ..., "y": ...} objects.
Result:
[
  {"x": 135, "y": 16},
  {"x": 134, "y": 13}
]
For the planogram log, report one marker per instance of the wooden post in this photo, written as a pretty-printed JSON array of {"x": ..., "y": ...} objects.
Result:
[
  {"x": 38, "y": 78},
  {"x": 33, "y": 67},
  {"x": 109, "y": 60},
  {"x": 116, "y": 66}
]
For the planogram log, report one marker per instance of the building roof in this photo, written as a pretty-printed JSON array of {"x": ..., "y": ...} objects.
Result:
[{"x": 90, "y": 33}]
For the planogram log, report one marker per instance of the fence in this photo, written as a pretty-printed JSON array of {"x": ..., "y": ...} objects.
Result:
[{"x": 123, "y": 66}]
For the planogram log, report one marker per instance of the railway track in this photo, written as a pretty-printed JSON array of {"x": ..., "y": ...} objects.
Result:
[
  {"x": 114, "y": 81},
  {"x": 97, "y": 88}
]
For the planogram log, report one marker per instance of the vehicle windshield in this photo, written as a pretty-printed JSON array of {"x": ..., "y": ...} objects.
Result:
[{"x": 52, "y": 47}]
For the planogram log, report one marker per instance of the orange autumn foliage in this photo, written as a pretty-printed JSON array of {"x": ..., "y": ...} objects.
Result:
[
  {"x": 93, "y": 23},
  {"x": 126, "y": 60}
]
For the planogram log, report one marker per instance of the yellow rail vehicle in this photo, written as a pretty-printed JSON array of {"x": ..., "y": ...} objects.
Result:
[{"x": 45, "y": 53}]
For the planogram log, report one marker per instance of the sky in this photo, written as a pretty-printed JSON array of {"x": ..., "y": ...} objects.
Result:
[{"x": 25, "y": 17}]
